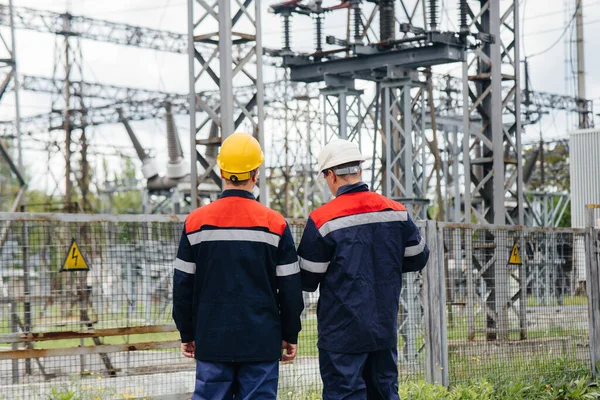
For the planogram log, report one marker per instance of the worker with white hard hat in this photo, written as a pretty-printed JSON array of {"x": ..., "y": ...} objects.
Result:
[
  {"x": 237, "y": 295},
  {"x": 355, "y": 249}
]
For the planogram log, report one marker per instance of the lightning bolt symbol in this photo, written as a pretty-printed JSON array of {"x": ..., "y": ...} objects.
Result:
[{"x": 75, "y": 256}]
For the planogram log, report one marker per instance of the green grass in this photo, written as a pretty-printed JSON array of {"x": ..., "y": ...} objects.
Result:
[
  {"x": 561, "y": 389},
  {"x": 458, "y": 330},
  {"x": 532, "y": 301},
  {"x": 554, "y": 387},
  {"x": 516, "y": 367},
  {"x": 307, "y": 341}
]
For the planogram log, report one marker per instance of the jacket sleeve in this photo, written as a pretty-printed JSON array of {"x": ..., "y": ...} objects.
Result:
[
  {"x": 416, "y": 252},
  {"x": 183, "y": 289},
  {"x": 289, "y": 289},
  {"x": 314, "y": 255}
]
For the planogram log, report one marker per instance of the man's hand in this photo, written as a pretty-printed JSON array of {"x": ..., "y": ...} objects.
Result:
[
  {"x": 188, "y": 349},
  {"x": 289, "y": 351}
]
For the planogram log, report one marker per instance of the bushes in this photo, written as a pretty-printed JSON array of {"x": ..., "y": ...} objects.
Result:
[
  {"x": 579, "y": 389},
  {"x": 553, "y": 387},
  {"x": 481, "y": 390}
]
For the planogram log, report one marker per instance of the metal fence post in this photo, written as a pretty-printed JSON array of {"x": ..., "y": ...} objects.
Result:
[
  {"x": 26, "y": 289},
  {"x": 470, "y": 283},
  {"x": 593, "y": 288},
  {"x": 522, "y": 289},
  {"x": 501, "y": 285},
  {"x": 434, "y": 302}
]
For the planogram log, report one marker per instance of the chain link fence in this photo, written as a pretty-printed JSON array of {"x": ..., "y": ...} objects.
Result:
[
  {"x": 109, "y": 329},
  {"x": 104, "y": 328},
  {"x": 476, "y": 311},
  {"x": 516, "y": 304}
]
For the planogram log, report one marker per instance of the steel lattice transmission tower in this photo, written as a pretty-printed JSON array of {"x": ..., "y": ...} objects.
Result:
[
  {"x": 68, "y": 106},
  {"x": 493, "y": 155},
  {"x": 491, "y": 91},
  {"x": 232, "y": 32},
  {"x": 9, "y": 74}
]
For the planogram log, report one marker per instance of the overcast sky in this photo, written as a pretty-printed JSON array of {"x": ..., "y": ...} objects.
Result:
[{"x": 544, "y": 22}]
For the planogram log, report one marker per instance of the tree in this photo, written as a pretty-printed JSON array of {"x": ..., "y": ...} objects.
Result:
[
  {"x": 124, "y": 201},
  {"x": 550, "y": 173}
]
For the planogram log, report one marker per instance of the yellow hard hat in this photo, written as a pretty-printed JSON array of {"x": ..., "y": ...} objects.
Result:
[{"x": 240, "y": 154}]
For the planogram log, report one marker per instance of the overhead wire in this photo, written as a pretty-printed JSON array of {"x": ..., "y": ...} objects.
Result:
[
  {"x": 445, "y": 12},
  {"x": 568, "y": 28},
  {"x": 587, "y": 5},
  {"x": 138, "y": 9},
  {"x": 587, "y": 23},
  {"x": 559, "y": 38}
]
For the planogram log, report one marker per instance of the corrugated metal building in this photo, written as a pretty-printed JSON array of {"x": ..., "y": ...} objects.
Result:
[{"x": 584, "y": 160}]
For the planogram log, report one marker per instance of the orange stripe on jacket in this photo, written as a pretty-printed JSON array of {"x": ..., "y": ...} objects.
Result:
[
  {"x": 353, "y": 203},
  {"x": 235, "y": 212}
]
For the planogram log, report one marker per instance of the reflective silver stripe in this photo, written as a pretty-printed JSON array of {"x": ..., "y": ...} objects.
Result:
[
  {"x": 225, "y": 235},
  {"x": 362, "y": 219},
  {"x": 185, "y": 266},
  {"x": 414, "y": 250},
  {"x": 311, "y": 266},
  {"x": 287, "y": 269}
]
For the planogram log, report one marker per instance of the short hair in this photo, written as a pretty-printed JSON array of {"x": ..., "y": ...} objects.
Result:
[
  {"x": 342, "y": 166},
  {"x": 238, "y": 183}
]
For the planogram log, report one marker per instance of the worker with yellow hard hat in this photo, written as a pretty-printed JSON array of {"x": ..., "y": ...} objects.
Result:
[{"x": 237, "y": 295}]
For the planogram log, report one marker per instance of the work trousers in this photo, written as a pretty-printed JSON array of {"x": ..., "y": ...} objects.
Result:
[
  {"x": 233, "y": 380},
  {"x": 372, "y": 376}
]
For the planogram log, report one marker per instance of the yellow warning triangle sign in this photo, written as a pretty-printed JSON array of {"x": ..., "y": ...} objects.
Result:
[
  {"x": 515, "y": 257},
  {"x": 74, "y": 260}
]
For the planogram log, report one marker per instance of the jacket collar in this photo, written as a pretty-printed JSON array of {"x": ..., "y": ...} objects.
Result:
[
  {"x": 237, "y": 192},
  {"x": 352, "y": 188}
]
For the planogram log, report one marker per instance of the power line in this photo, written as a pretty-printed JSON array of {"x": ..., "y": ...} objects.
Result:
[
  {"x": 559, "y": 38},
  {"x": 138, "y": 9},
  {"x": 537, "y": 16},
  {"x": 535, "y": 33}
]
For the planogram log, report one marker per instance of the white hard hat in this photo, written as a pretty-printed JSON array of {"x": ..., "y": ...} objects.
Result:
[{"x": 338, "y": 152}]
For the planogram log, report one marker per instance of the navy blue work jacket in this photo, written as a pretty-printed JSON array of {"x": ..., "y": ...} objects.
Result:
[
  {"x": 355, "y": 248},
  {"x": 236, "y": 284}
]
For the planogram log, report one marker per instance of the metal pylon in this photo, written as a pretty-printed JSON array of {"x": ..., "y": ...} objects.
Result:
[
  {"x": 405, "y": 148},
  {"x": 341, "y": 117},
  {"x": 8, "y": 74},
  {"x": 232, "y": 30},
  {"x": 491, "y": 91},
  {"x": 493, "y": 153},
  {"x": 295, "y": 128},
  {"x": 69, "y": 106},
  {"x": 341, "y": 114}
]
